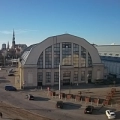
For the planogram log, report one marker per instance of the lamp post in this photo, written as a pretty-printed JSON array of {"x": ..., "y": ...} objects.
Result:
[{"x": 59, "y": 83}]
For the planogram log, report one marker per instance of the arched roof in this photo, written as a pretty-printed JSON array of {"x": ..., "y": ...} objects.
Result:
[{"x": 35, "y": 52}]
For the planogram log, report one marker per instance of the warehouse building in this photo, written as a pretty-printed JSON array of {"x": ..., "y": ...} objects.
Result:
[
  {"x": 110, "y": 56},
  {"x": 79, "y": 62}
]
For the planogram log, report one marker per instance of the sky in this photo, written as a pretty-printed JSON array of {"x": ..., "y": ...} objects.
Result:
[{"x": 97, "y": 21}]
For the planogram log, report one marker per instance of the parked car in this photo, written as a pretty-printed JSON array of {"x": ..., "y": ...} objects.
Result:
[
  {"x": 110, "y": 114},
  {"x": 59, "y": 104},
  {"x": 89, "y": 110},
  {"x": 30, "y": 97},
  {"x": 10, "y": 88}
]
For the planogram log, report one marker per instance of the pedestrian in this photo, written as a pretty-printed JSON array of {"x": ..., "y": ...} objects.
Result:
[{"x": 1, "y": 114}]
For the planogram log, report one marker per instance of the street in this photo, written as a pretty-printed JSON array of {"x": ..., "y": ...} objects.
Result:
[{"x": 45, "y": 106}]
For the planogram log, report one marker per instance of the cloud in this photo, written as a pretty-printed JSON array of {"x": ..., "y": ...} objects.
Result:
[{"x": 19, "y": 31}]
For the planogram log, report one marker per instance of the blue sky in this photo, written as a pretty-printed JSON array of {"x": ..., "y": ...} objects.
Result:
[{"x": 98, "y": 21}]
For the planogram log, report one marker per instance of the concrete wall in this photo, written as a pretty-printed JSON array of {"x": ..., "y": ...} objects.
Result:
[{"x": 30, "y": 77}]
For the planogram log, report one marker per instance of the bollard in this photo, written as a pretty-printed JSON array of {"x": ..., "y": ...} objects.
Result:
[
  {"x": 97, "y": 103},
  {"x": 111, "y": 104},
  {"x": 81, "y": 100},
  {"x": 91, "y": 102},
  {"x": 41, "y": 88}
]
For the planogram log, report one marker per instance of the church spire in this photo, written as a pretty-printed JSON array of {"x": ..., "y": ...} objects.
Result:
[
  {"x": 13, "y": 35},
  {"x": 8, "y": 45},
  {"x": 13, "y": 40}
]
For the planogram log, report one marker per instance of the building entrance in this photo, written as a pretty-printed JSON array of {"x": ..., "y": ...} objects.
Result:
[
  {"x": 66, "y": 78},
  {"x": 39, "y": 84}
]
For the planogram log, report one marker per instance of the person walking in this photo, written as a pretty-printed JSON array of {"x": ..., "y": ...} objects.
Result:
[{"x": 1, "y": 114}]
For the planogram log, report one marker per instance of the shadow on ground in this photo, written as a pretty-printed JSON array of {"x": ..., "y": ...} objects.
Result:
[
  {"x": 2, "y": 77},
  {"x": 71, "y": 106},
  {"x": 101, "y": 110},
  {"x": 41, "y": 99},
  {"x": 117, "y": 115},
  {"x": 11, "y": 118}
]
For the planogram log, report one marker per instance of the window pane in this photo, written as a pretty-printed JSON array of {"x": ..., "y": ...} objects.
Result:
[
  {"x": 48, "y": 77},
  {"x": 56, "y": 76},
  {"x": 75, "y": 75},
  {"x": 82, "y": 75},
  {"x": 48, "y": 57},
  {"x": 40, "y": 76},
  {"x": 40, "y": 61}
]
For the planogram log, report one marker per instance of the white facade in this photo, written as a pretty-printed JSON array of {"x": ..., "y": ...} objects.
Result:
[{"x": 79, "y": 61}]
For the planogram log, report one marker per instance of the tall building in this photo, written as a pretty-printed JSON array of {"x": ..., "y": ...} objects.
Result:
[
  {"x": 8, "y": 46},
  {"x": 3, "y": 46},
  {"x": 78, "y": 60}
]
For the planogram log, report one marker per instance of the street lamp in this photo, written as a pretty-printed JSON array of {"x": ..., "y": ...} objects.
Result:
[{"x": 59, "y": 82}]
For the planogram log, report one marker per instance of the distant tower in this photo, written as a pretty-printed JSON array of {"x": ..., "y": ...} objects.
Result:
[
  {"x": 8, "y": 45},
  {"x": 13, "y": 40},
  {"x": 3, "y": 46}
]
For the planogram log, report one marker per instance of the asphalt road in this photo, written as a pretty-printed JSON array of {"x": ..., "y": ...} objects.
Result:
[{"x": 47, "y": 108}]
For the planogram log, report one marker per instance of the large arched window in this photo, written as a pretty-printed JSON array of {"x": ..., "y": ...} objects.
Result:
[
  {"x": 56, "y": 55},
  {"x": 83, "y": 57},
  {"x": 66, "y": 53},
  {"x": 75, "y": 55},
  {"x": 40, "y": 61},
  {"x": 48, "y": 57},
  {"x": 89, "y": 60}
]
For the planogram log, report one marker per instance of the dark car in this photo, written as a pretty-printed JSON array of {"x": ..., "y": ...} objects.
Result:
[
  {"x": 59, "y": 104},
  {"x": 89, "y": 110},
  {"x": 30, "y": 97},
  {"x": 10, "y": 88}
]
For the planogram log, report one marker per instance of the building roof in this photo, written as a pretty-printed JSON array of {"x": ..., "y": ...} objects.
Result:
[
  {"x": 25, "y": 53},
  {"x": 108, "y": 48},
  {"x": 31, "y": 54}
]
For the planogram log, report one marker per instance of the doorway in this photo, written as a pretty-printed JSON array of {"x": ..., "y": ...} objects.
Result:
[
  {"x": 39, "y": 84},
  {"x": 66, "y": 77},
  {"x": 66, "y": 81}
]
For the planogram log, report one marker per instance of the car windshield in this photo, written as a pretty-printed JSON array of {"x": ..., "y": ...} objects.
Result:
[
  {"x": 88, "y": 109},
  {"x": 112, "y": 114},
  {"x": 111, "y": 111},
  {"x": 89, "y": 106}
]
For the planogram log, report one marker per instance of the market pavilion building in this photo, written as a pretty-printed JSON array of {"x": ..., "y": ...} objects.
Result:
[{"x": 78, "y": 59}]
